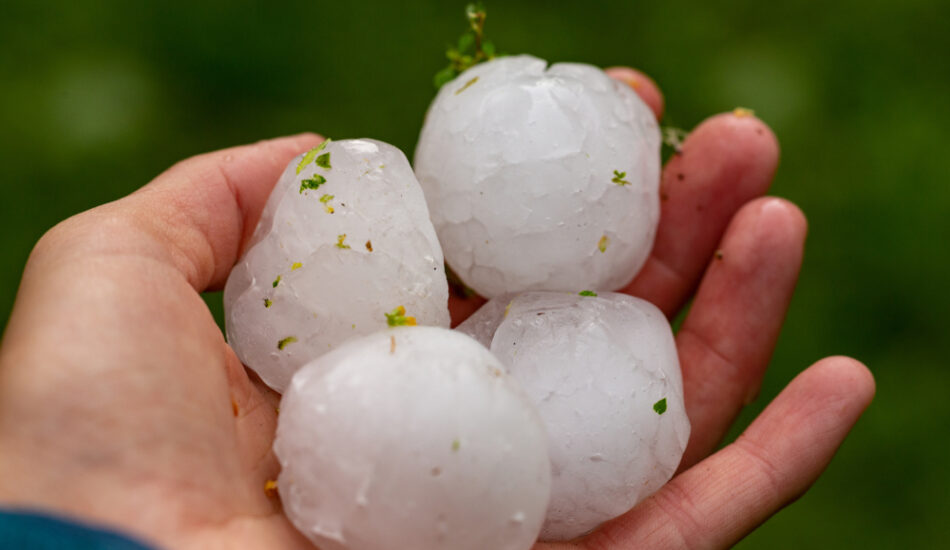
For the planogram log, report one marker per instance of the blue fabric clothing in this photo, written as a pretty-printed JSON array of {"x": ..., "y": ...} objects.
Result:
[{"x": 27, "y": 530}]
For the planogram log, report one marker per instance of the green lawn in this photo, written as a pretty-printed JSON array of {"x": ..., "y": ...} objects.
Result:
[{"x": 98, "y": 97}]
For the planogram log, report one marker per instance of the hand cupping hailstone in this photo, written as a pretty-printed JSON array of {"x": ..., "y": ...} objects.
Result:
[
  {"x": 605, "y": 377},
  {"x": 540, "y": 178},
  {"x": 344, "y": 239},
  {"x": 412, "y": 437}
]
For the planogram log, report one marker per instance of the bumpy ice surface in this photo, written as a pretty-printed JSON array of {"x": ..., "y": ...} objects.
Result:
[
  {"x": 600, "y": 370},
  {"x": 412, "y": 437},
  {"x": 540, "y": 178},
  {"x": 345, "y": 238}
]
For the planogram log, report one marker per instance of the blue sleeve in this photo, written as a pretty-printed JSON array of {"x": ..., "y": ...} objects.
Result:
[{"x": 37, "y": 531}]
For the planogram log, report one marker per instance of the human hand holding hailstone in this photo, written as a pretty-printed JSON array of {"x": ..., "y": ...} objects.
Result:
[{"x": 118, "y": 393}]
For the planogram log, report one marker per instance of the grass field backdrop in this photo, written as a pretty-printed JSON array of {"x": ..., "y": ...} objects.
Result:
[{"x": 97, "y": 97}]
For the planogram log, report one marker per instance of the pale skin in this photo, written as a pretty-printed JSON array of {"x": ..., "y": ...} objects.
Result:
[{"x": 121, "y": 403}]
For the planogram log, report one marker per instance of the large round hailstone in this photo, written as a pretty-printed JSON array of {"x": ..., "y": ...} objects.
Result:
[
  {"x": 411, "y": 438},
  {"x": 604, "y": 375},
  {"x": 344, "y": 240},
  {"x": 540, "y": 178}
]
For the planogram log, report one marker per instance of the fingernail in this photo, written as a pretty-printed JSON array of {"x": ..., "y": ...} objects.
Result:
[{"x": 632, "y": 81}]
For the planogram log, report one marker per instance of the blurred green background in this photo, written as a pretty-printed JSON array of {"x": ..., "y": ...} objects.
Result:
[{"x": 96, "y": 98}]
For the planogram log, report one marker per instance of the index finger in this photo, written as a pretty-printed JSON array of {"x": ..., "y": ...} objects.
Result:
[
  {"x": 463, "y": 302},
  {"x": 645, "y": 87},
  {"x": 727, "y": 161}
]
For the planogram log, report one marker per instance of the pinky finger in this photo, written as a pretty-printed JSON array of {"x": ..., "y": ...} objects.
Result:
[{"x": 723, "y": 498}]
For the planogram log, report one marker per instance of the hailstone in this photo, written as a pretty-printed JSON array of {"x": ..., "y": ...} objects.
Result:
[
  {"x": 540, "y": 178},
  {"x": 604, "y": 374},
  {"x": 344, "y": 247},
  {"x": 411, "y": 438}
]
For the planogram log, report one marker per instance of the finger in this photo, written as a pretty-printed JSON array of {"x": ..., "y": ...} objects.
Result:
[
  {"x": 723, "y": 498},
  {"x": 195, "y": 217},
  {"x": 207, "y": 206},
  {"x": 728, "y": 337},
  {"x": 645, "y": 87},
  {"x": 725, "y": 162},
  {"x": 462, "y": 303},
  {"x": 143, "y": 379}
]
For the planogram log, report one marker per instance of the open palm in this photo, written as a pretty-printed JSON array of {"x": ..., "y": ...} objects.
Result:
[{"x": 121, "y": 403}]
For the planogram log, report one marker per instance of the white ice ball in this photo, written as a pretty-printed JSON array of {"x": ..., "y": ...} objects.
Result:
[
  {"x": 605, "y": 377},
  {"x": 411, "y": 438},
  {"x": 345, "y": 238},
  {"x": 541, "y": 178}
]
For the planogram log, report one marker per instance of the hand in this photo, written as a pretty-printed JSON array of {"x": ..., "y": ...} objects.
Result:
[
  {"x": 738, "y": 256},
  {"x": 741, "y": 255},
  {"x": 120, "y": 401}
]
